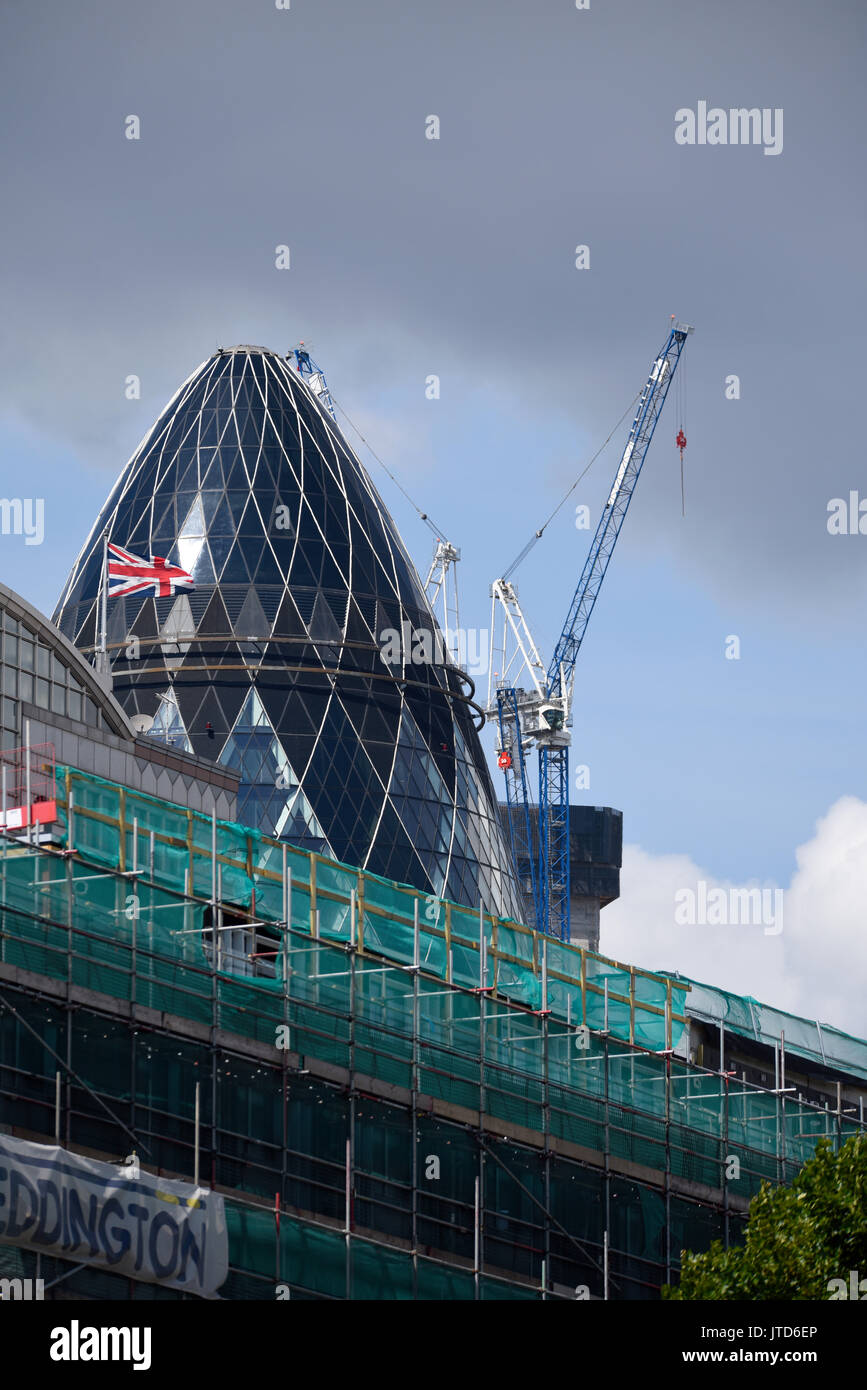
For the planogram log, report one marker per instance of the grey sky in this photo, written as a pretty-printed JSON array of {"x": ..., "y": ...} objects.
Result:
[{"x": 410, "y": 257}]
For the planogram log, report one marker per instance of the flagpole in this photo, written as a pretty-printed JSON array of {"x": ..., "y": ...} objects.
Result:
[
  {"x": 104, "y": 594},
  {"x": 101, "y": 663}
]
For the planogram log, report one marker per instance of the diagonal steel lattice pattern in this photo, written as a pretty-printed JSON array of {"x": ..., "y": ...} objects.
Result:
[{"x": 274, "y": 663}]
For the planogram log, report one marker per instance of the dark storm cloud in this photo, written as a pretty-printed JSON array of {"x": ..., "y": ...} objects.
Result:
[{"x": 306, "y": 126}]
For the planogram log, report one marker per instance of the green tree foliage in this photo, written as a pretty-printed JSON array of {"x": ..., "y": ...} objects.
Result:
[{"x": 798, "y": 1238}]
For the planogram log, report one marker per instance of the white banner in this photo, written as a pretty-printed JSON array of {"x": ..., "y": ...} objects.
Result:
[{"x": 116, "y": 1217}]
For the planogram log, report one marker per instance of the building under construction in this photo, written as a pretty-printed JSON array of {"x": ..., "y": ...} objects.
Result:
[
  {"x": 265, "y": 969},
  {"x": 395, "y": 1096}
]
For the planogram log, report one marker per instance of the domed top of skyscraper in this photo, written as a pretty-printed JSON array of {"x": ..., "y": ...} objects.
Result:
[{"x": 276, "y": 661}]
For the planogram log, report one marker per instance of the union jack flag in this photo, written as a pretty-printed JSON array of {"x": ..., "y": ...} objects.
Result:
[{"x": 130, "y": 574}]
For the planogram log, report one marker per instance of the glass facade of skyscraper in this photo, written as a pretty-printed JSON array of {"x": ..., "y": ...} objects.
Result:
[{"x": 276, "y": 663}]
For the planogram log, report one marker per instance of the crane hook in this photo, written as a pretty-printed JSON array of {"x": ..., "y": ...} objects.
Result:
[{"x": 680, "y": 441}]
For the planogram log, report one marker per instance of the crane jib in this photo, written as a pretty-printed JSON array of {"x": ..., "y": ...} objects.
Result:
[
  {"x": 650, "y": 404},
  {"x": 659, "y": 369}
]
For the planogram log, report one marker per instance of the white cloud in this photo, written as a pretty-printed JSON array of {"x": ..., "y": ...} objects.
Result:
[{"x": 816, "y": 966}]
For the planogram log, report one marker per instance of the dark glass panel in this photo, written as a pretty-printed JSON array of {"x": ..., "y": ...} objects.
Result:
[{"x": 337, "y": 728}]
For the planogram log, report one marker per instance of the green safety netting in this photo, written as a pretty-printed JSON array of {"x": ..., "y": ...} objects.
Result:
[
  {"x": 805, "y": 1037},
  {"x": 136, "y": 941},
  {"x": 146, "y": 939},
  {"x": 63, "y": 919},
  {"x": 122, "y": 829},
  {"x": 312, "y": 1258}
]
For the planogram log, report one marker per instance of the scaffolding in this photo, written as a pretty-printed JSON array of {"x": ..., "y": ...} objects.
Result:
[
  {"x": 398, "y": 1097},
  {"x": 267, "y": 879}
]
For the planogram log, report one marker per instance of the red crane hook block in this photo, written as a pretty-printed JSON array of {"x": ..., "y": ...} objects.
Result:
[{"x": 504, "y": 760}]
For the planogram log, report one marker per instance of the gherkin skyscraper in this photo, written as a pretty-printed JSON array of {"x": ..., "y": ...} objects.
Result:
[{"x": 273, "y": 662}]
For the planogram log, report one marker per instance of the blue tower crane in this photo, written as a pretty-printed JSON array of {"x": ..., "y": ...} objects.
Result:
[
  {"x": 543, "y": 715},
  {"x": 314, "y": 376}
]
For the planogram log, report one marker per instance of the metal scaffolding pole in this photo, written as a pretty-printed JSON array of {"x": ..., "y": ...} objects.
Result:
[
  {"x": 725, "y": 1181},
  {"x": 27, "y": 799},
  {"x": 667, "y": 1104},
  {"x": 416, "y": 1025},
  {"x": 477, "y": 1229},
  {"x": 606, "y": 1156},
  {"x": 347, "y": 1215},
  {"x": 782, "y": 1084},
  {"x": 216, "y": 961},
  {"x": 196, "y": 1138}
]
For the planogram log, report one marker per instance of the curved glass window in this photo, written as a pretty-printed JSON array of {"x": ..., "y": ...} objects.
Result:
[{"x": 273, "y": 663}]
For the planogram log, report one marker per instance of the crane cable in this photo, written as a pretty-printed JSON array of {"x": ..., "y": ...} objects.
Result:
[
  {"x": 537, "y": 535},
  {"x": 435, "y": 531},
  {"x": 439, "y": 534},
  {"x": 680, "y": 405}
]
